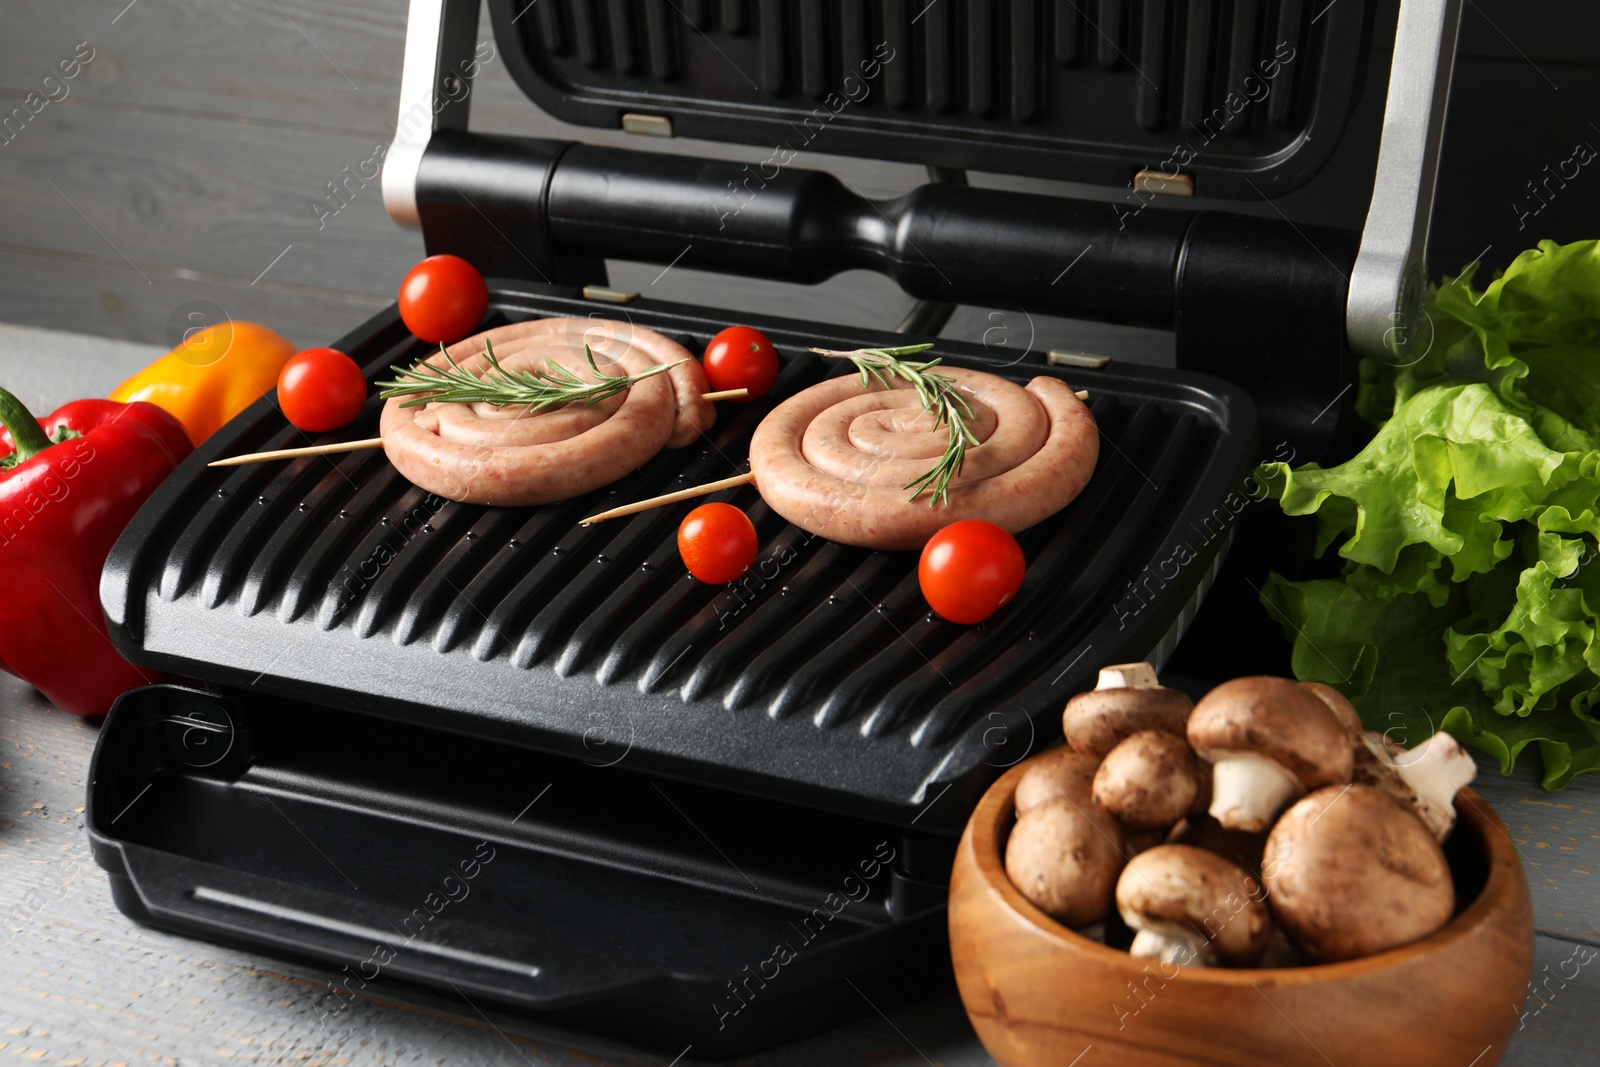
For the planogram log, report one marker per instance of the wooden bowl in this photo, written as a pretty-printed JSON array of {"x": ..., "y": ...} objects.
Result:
[{"x": 1040, "y": 994}]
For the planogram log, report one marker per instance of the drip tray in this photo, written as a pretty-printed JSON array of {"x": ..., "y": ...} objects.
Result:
[{"x": 671, "y": 913}]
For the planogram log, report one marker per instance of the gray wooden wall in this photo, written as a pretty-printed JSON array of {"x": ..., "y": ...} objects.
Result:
[{"x": 177, "y": 172}]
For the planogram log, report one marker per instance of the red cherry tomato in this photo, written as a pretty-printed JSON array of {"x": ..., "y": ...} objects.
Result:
[
  {"x": 443, "y": 299},
  {"x": 717, "y": 543},
  {"x": 321, "y": 389},
  {"x": 741, "y": 358},
  {"x": 969, "y": 569}
]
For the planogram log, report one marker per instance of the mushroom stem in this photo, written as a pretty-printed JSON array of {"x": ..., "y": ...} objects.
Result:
[
  {"x": 1435, "y": 770},
  {"x": 1172, "y": 943},
  {"x": 1128, "y": 676},
  {"x": 1249, "y": 789}
]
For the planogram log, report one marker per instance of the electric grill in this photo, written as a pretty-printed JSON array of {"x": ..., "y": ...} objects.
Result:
[{"x": 537, "y": 766}]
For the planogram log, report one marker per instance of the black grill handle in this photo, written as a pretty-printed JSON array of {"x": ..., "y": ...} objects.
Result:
[
  {"x": 939, "y": 241},
  {"x": 545, "y": 203},
  {"x": 1257, "y": 300}
]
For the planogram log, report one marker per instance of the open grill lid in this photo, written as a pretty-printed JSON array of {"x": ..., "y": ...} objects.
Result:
[
  {"x": 820, "y": 678},
  {"x": 1252, "y": 95}
]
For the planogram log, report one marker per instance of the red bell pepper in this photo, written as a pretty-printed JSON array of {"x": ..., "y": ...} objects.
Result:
[{"x": 67, "y": 488}]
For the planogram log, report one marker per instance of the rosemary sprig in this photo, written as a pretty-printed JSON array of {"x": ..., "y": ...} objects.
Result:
[
  {"x": 428, "y": 383},
  {"x": 939, "y": 398}
]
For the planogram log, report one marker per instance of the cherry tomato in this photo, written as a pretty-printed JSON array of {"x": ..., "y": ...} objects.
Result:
[
  {"x": 969, "y": 569},
  {"x": 717, "y": 543},
  {"x": 741, "y": 358},
  {"x": 443, "y": 299},
  {"x": 321, "y": 389}
]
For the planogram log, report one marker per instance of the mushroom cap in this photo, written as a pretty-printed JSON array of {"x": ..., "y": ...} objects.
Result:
[
  {"x": 1148, "y": 781},
  {"x": 1275, "y": 718},
  {"x": 1094, "y": 722},
  {"x": 1059, "y": 772},
  {"x": 1177, "y": 885},
  {"x": 1339, "y": 704},
  {"x": 1065, "y": 859},
  {"x": 1353, "y": 873}
]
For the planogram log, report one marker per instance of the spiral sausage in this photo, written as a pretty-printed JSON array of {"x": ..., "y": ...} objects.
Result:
[
  {"x": 481, "y": 454},
  {"x": 834, "y": 459}
]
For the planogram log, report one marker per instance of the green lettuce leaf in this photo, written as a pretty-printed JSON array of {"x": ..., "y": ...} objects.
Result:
[
  {"x": 1533, "y": 334},
  {"x": 1448, "y": 470},
  {"x": 1470, "y": 595}
]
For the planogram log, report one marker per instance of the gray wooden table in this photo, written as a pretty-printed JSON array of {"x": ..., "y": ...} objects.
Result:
[{"x": 81, "y": 984}]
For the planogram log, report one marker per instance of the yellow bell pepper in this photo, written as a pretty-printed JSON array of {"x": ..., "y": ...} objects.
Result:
[{"x": 211, "y": 376}]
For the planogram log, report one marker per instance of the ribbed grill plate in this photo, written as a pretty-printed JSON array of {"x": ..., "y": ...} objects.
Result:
[
  {"x": 821, "y": 678},
  {"x": 1235, "y": 92}
]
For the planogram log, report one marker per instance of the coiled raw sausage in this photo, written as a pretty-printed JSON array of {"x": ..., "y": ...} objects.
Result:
[
  {"x": 482, "y": 454},
  {"x": 834, "y": 459}
]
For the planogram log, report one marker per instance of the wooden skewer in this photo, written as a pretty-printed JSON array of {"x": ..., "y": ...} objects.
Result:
[
  {"x": 670, "y": 498},
  {"x": 694, "y": 491},
  {"x": 377, "y": 442},
  {"x": 291, "y": 453}
]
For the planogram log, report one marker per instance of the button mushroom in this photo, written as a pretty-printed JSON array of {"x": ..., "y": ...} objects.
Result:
[
  {"x": 1424, "y": 779},
  {"x": 1352, "y": 872},
  {"x": 1148, "y": 781},
  {"x": 1065, "y": 858},
  {"x": 1060, "y": 772},
  {"x": 1435, "y": 771},
  {"x": 1192, "y": 906},
  {"x": 1126, "y": 700},
  {"x": 1271, "y": 741}
]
